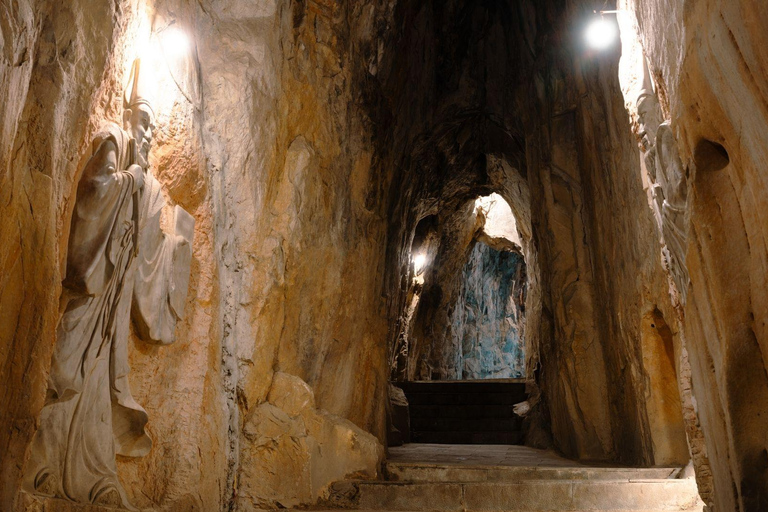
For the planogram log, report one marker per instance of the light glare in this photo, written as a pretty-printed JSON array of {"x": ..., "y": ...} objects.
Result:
[
  {"x": 175, "y": 42},
  {"x": 601, "y": 34},
  {"x": 418, "y": 263}
]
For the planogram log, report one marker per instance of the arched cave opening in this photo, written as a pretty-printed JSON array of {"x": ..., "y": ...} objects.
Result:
[
  {"x": 458, "y": 362},
  {"x": 477, "y": 329}
]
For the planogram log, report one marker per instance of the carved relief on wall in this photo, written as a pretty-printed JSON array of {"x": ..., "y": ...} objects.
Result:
[
  {"x": 668, "y": 180},
  {"x": 120, "y": 265}
]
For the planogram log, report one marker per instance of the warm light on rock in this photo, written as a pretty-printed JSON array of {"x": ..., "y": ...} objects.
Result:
[
  {"x": 175, "y": 42},
  {"x": 419, "y": 262},
  {"x": 321, "y": 201}
]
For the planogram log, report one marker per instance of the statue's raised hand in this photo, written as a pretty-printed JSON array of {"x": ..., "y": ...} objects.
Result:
[{"x": 138, "y": 176}]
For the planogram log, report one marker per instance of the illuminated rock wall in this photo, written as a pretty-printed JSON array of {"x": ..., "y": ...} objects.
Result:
[
  {"x": 258, "y": 138},
  {"x": 308, "y": 138},
  {"x": 487, "y": 322},
  {"x": 709, "y": 67}
]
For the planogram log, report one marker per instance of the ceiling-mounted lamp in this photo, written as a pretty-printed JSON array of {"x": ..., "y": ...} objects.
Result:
[{"x": 601, "y": 33}]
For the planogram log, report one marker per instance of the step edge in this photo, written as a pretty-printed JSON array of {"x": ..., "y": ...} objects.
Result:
[
  {"x": 475, "y": 467},
  {"x": 677, "y": 482}
]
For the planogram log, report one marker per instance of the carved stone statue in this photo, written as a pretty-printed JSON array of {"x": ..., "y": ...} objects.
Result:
[
  {"x": 669, "y": 186},
  {"x": 648, "y": 114},
  {"x": 120, "y": 264}
]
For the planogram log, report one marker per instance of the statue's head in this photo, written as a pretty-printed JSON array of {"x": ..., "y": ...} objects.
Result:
[
  {"x": 140, "y": 123},
  {"x": 139, "y": 118},
  {"x": 648, "y": 118}
]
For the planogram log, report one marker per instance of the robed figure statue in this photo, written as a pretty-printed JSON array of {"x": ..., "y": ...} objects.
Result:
[
  {"x": 120, "y": 265},
  {"x": 669, "y": 188}
]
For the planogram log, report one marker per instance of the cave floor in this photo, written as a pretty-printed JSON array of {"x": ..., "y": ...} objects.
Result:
[{"x": 468, "y": 478}]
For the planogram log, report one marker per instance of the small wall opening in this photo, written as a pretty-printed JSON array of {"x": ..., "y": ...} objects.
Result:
[
  {"x": 710, "y": 156},
  {"x": 662, "y": 394}
]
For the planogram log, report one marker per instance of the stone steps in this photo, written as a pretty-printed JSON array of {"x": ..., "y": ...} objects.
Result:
[
  {"x": 420, "y": 472},
  {"x": 527, "y": 495},
  {"x": 466, "y": 437},
  {"x": 516, "y": 479}
]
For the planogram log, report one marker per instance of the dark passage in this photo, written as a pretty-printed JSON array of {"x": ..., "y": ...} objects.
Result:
[{"x": 464, "y": 412}]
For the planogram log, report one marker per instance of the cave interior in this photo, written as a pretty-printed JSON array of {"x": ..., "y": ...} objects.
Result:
[{"x": 383, "y": 255}]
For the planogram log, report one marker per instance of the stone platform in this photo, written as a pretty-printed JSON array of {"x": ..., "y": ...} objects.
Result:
[{"x": 512, "y": 478}]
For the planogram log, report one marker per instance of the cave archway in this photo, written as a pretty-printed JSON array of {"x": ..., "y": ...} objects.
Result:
[
  {"x": 485, "y": 335},
  {"x": 472, "y": 273}
]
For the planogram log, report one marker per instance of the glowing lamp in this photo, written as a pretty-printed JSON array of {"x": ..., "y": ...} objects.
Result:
[
  {"x": 419, "y": 261},
  {"x": 601, "y": 33}
]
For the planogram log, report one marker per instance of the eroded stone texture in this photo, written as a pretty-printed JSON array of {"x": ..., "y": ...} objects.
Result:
[
  {"x": 431, "y": 353},
  {"x": 309, "y": 139},
  {"x": 299, "y": 220},
  {"x": 488, "y": 317},
  {"x": 711, "y": 81},
  {"x": 292, "y": 452},
  {"x": 263, "y": 146}
]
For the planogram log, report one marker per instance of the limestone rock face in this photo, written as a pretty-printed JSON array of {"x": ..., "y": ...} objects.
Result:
[
  {"x": 318, "y": 144},
  {"x": 399, "y": 417},
  {"x": 291, "y": 394},
  {"x": 487, "y": 321},
  {"x": 710, "y": 72},
  {"x": 292, "y": 452},
  {"x": 258, "y": 139}
]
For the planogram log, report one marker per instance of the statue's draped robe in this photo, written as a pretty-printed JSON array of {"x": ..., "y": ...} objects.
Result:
[
  {"x": 89, "y": 414},
  {"x": 671, "y": 177}
]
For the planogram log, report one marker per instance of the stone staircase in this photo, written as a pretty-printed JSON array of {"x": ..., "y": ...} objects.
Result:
[
  {"x": 464, "y": 412},
  {"x": 562, "y": 486}
]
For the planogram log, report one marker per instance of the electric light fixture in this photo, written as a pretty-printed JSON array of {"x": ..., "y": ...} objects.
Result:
[
  {"x": 419, "y": 262},
  {"x": 601, "y": 33}
]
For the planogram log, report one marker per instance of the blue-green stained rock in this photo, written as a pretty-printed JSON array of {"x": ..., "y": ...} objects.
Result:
[{"x": 487, "y": 320}]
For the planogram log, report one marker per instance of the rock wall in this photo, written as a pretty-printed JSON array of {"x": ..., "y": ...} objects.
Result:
[
  {"x": 487, "y": 318},
  {"x": 710, "y": 71},
  {"x": 432, "y": 353},
  {"x": 295, "y": 191},
  {"x": 262, "y": 136},
  {"x": 309, "y": 138}
]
